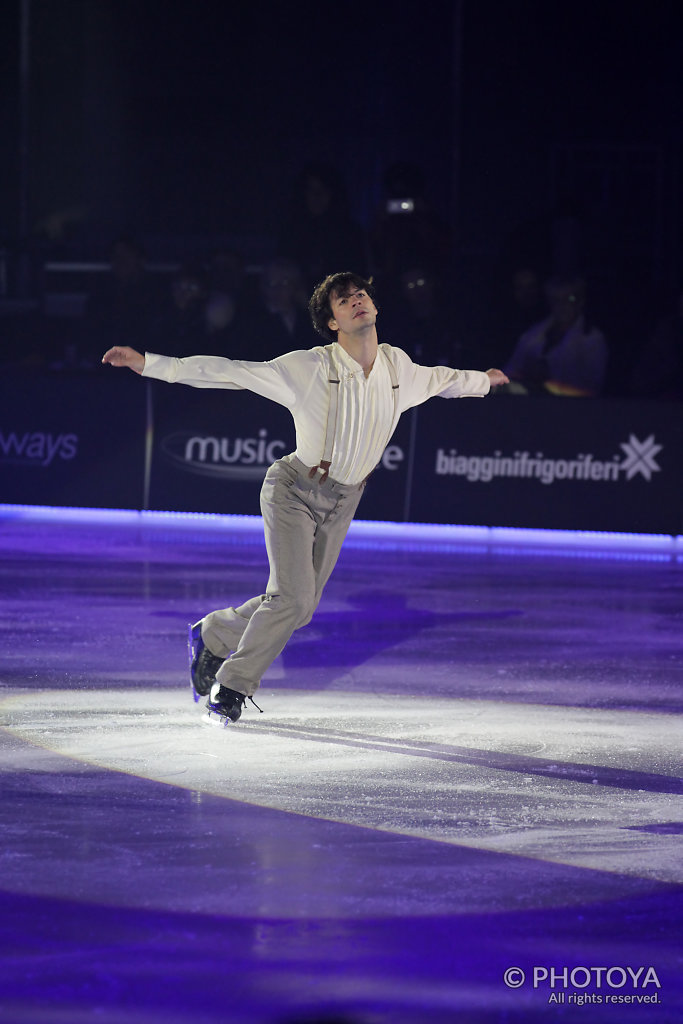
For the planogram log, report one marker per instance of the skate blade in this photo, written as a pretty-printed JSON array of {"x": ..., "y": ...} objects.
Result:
[
  {"x": 190, "y": 659},
  {"x": 215, "y": 721}
]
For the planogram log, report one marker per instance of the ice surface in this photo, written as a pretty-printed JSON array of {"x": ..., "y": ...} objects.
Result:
[
  {"x": 470, "y": 773},
  {"x": 469, "y": 760}
]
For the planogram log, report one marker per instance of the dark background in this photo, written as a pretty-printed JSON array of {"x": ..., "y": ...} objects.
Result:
[
  {"x": 192, "y": 118},
  {"x": 549, "y": 135}
]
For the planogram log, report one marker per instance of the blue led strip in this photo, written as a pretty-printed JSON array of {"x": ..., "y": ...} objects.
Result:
[{"x": 365, "y": 532}]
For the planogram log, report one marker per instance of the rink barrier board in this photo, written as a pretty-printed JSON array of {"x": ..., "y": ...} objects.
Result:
[{"x": 112, "y": 441}]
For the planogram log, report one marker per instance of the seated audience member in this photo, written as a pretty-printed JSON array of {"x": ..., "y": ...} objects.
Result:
[
  {"x": 423, "y": 323},
  {"x": 221, "y": 335},
  {"x": 319, "y": 232},
  {"x": 179, "y": 327},
  {"x": 563, "y": 354},
  {"x": 280, "y": 322},
  {"x": 658, "y": 372},
  {"x": 515, "y": 307},
  {"x": 226, "y": 274}
]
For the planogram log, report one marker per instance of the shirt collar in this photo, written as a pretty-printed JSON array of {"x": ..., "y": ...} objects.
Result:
[{"x": 348, "y": 362}]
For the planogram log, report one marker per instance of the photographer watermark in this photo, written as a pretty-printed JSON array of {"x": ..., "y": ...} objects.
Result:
[{"x": 615, "y": 985}]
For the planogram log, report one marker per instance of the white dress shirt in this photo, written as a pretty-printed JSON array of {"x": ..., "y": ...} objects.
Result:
[{"x": 366, "y": 417}]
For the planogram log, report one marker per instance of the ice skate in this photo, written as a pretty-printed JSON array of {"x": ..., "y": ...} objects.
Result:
[
  {"x": 225, "y": 705},
  {"x": 203, "y": 664}
]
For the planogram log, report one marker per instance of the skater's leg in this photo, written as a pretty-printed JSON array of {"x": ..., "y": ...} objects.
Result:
[
  {"x": 222, "y": 630},
  {"x": 289, "y": 528},
  {"x": 305, "y": 526},
  {"x": 329, "y": 537}
]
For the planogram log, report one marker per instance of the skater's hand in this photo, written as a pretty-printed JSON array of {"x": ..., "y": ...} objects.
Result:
[
  {"x": 123, "y": 355},
  {"x": 497, "y": 377}
]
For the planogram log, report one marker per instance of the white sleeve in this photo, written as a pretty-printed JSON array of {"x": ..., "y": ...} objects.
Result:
[
  {"x": 420, "y": 383},
  {"x": 282, "y": 380},
  {"x": 467, "y": 384}
]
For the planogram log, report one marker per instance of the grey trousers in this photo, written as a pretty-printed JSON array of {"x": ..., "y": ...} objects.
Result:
[{"x": 305, "y": 523}]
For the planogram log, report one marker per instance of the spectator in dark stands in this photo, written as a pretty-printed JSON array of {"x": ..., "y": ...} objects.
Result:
[
  {"x": 515, "y": 310},
  {"x": 221, "y": 333},
  {"x": 123, "y": 306},
  {"x": 424, "y": 324},
  {"x": 320, "y": 233},
  {"x": 280, "y": 322},
  {"x": 406, "y": 232},
  {"x": 180, "y": 326},
  {"x": 563, "y": 354},
  {"x": 226, "y": 275},
  {"x": 658, "y": 371}
]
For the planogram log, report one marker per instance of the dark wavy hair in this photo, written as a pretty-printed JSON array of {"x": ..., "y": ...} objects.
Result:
[{"x": 334, "y": 284}]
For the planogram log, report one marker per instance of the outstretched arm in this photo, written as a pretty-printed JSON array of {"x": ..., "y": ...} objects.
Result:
[
  {"x": 122, "y": 355},
  {"x": 497, "y": 377}
]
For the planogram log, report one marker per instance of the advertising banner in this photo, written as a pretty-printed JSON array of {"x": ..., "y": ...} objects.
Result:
[
  {"x": 550, "y": 463},
  {"x": 114, "y": 441},
  {"x": 211, "y": 450},
  {"x": 72, "y": 440}
]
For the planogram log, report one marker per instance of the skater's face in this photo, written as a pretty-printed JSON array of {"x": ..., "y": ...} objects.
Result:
[{"x": 352, "y": 312}]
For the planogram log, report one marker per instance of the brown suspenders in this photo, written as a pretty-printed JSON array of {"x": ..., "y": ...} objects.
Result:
[{"x": 334, "y": 381}]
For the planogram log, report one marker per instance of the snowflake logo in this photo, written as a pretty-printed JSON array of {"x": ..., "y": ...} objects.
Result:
[{"x": 640, "y": 457}]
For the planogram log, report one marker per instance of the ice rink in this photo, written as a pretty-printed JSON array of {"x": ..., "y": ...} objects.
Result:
[{"x": 462, "y": 802}]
